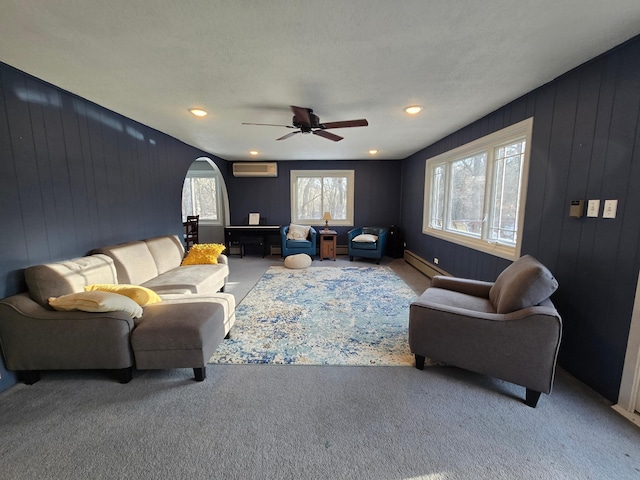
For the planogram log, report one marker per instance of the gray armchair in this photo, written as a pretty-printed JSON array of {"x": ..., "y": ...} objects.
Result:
[{"x": 509, "y": 329}]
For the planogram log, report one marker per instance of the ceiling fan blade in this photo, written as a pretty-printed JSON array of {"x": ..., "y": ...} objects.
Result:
[
  {"x": 302, "y": 115},
  {"x": 328, "y": 135},
  {"x": 269, "y": 125},
  {"x": 347, "y": 123},
  {"x": 288, "y": 135}
]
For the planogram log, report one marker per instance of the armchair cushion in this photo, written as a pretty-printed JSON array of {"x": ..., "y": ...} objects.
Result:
[{"x": 525, "y": 283}]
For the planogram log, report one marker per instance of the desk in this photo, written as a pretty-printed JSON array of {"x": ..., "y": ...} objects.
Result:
[
  {"x": 240, "y": 236},
  {"x": 327, "y": 244}
]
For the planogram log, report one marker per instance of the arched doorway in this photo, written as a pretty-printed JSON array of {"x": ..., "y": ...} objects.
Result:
[{"x": 204, "y": 193}]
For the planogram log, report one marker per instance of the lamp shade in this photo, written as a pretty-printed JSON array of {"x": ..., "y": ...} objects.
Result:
[{"x": 326, "y": 216}]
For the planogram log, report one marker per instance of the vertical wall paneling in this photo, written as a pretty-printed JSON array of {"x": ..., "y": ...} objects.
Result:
[
  {"x": 586, "y": 145},
  {"x": 75, "y": 176}
]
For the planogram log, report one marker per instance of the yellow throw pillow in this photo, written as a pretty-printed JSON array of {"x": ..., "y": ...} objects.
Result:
[
  {"x": 141, "y": 295},
  {"x": 203, "y": 254},
  {"x": 96, "y": 302}
]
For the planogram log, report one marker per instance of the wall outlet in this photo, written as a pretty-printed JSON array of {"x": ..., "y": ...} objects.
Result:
[
  {"x": 436, "y": 261},
  {"x": 610, "y": 208}
]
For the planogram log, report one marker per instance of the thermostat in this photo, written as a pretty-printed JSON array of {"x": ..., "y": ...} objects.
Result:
[{"x": 576, "y": 209}]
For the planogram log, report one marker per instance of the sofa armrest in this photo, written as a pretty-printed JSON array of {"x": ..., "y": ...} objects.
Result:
[
  {"x": 477, "y": 288},
  {"x": 222, "y": 258},
  {"x": 34, "y": 337}
]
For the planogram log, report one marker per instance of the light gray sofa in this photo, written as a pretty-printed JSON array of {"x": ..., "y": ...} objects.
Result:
[
  {"x": 509, "y": 329},
  {"x": 182, "y": 331}
]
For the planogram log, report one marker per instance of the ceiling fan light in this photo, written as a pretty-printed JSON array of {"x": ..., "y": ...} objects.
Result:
[
  {"x": 198, "y": 112},
  {"x": 413, "y": 109}
]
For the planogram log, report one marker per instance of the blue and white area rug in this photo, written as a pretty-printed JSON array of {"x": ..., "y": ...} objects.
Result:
[{"x": 322, "y": 316}]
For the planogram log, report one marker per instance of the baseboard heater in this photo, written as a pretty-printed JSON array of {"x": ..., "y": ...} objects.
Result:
[{"x": 428, "y": 268}]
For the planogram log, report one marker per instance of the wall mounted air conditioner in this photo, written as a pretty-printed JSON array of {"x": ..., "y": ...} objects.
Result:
[{"x": 255, "y": 169}]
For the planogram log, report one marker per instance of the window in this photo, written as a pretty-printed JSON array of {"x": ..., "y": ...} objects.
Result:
[
  {"x": 314, "y": 192},
  {"x": 475, "y": 194},
  {"x": 200, "y": 194}
]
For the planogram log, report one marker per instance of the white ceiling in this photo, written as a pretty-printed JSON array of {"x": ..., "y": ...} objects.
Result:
[{"x": 248, "y": 60}]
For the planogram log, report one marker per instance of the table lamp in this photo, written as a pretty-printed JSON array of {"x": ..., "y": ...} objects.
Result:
[{"x": 326, "y": 217}]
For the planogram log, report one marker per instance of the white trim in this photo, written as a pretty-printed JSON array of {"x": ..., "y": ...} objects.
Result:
[
  {"x": 523, "y": 129},
  {"x": 223, "y": 197},
  {"x": 349, "y": 174},
  {"x": 630, "y": 383}
]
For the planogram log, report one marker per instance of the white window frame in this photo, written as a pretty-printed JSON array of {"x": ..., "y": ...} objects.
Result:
[
  {"x": 350, "y": 176},
  {"x": 201, "y": 173},
  {"x": 488, "y": 144}
]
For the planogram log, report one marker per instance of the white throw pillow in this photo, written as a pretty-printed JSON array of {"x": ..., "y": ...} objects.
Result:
[
  {"x": 298, "y": 232},
  {"x": 96, "y": 301},
  {"x": 366, "y": 238}
]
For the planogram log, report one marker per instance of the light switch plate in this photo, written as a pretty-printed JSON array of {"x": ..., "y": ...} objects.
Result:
[
  {"x": 610, "y": 207},
  {"x": 593, "y": 208}
]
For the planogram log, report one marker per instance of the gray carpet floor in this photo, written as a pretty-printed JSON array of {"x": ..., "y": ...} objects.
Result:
[{"x": 309, "y": 422}]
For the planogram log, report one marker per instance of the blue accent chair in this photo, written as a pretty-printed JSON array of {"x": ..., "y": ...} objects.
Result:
[
  {"x": 367, "y": 249},
  {"x": 292, "y": 247}
]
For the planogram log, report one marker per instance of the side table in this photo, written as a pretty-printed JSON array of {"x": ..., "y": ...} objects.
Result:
[{"x": 328, "y": 244}]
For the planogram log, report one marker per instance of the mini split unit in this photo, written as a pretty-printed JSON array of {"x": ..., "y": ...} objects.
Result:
[{"x": 255, "y": 169}]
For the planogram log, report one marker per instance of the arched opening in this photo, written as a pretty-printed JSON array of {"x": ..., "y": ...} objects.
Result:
[{"x": 204, "y": 193}]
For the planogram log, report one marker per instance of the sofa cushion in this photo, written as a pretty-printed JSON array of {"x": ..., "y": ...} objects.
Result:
[
  {"x": 167, "y": 252},
  {"x": 133, "y": 260},
  {"x": 141, "y": 295},
  {"x": 204, "y": 254},
  {"x": 96, "y": 301},
  {"x": 71, "y": 276},
  {"x": 190, "y": 279},
  {"x": 524, "y": 283},
  {"x": 226, "y": 300}
]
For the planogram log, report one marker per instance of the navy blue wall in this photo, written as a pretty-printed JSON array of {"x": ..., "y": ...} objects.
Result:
[
  {"x": 376, "y": 199},
  {"x": 75, "y": 176},
  {"x": 586, "y": 145}
]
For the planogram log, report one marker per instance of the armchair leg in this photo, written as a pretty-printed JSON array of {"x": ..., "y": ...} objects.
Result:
[
  {"x": 419, "y": 362},
  {"x": 532, "y": 398}
]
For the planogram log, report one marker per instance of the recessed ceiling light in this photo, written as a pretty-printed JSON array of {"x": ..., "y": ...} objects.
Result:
[
  {"x": 198, "y": 112},
  {"x": 253, "y": 152},
  {"x": 373, "y": 151},
  {"x": 413, "y": 109}
]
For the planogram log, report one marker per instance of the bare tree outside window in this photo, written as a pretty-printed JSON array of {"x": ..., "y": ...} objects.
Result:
[
  {"x": 200, "y": 197},
  {"x": 317, "y": 191},
  {"x": 475, "y": 194}
]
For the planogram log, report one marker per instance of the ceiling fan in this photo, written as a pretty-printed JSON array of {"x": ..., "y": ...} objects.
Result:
[{"x": 307, "y": 122}]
